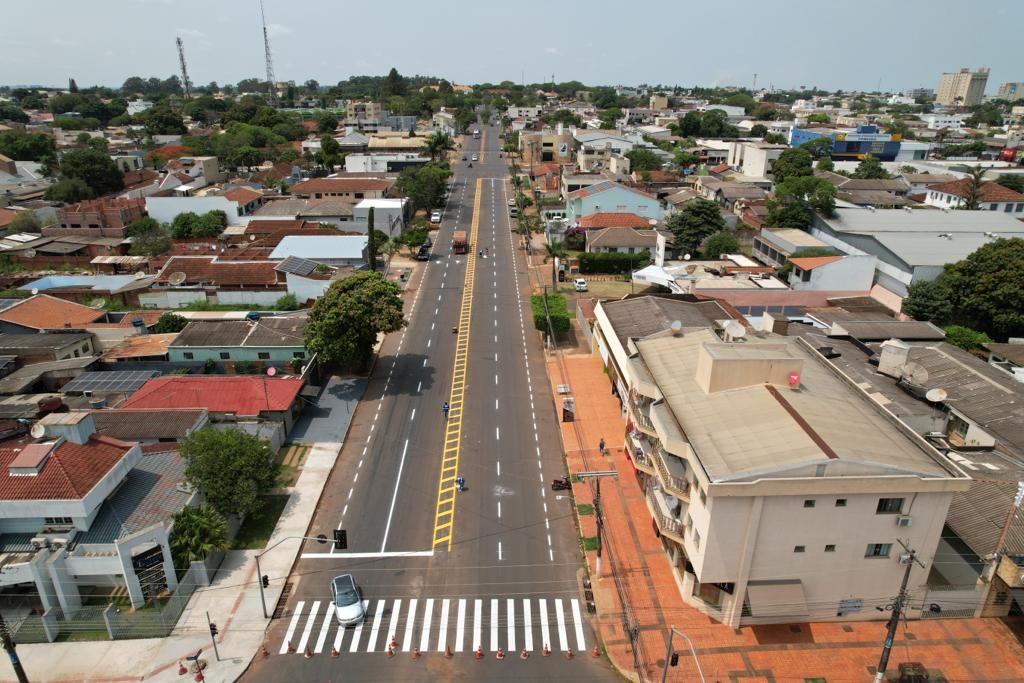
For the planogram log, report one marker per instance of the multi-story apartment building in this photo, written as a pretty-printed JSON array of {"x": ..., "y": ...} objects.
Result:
[
  {"x": 963, "y": 88},
  {"x": 781, "y": 490},
  {"x": 1011, "y": 92},
  {"x": 98, "y": 217}
]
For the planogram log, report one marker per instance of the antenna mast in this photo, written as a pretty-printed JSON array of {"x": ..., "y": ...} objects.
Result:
[
  {"x": 271, "y": 81},
  {"x": 186, "y": 84}
]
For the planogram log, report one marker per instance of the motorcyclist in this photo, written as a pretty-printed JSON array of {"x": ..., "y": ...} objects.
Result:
[
  {"x": 444, "y": 409},
  {"x": 460, "y": 481}
]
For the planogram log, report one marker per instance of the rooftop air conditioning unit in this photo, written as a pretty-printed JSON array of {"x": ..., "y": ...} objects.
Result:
[
  {"x": 40, "y": 542},
  {"x": 60, "y": 542},
  {"x": 903, "y": 520}
]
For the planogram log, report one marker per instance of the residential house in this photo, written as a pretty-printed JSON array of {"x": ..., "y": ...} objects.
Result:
[
  {"x": 42, "y": 312},
  {"x": 595, "y": 149},
  {"x": 756, "y": 533},
  {"x": 46, "y": 346},
  {"x": 137, "y": 348},
  {"x": 556, "y": 145},
  {"x": 389, "y": 215},
  {"x": 248, "y": 199},
  {"x": 84, "y": 513},
  {"x": 990, "y": 196},
  {"x": 444, "y": 122},
  {"x": 774, "y": 247},
  {"x": 341, "y": 187},
  {"x": 307, "y": 280},
  {"x": 601, "y": 220},
  {"x": 185, "y": 279},
  {"x": 622, "y": 241},
  {"x": 754, "y": 159},
  {"x": 143, "y": 426},
  {"x": 919, "y": 182},
  {"x": 98, "y": 217},
  {"x": 397, "y": 144},
  {"x": 833, "y": 273},
  {"x": 335, "y": 250},
  {"x": 268, "y": 340},
  {"x": 613, "y": 198}
]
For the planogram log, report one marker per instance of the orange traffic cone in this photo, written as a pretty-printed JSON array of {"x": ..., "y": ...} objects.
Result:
[
  {"x": 595, "y": 652},
  {"x": 181, "y": 669},
  {"x": 500, "y": 655},
  {"x": 264, "y": 651},
  {"x": 547, "y": 650},
  {"x": 415, "y": 653},
  {"x": 524, "y": 654},
  {"x": 291, "y": 647},
  {"x": 479, "y": 651},
  {"x": 309, "y": 653},
  {"x": 569, "y": 654},
  {"x": 448, "y": 651},
  {"x": 394, "y": 642},
  {"x": 391, "y": 650},
  {"x": 334, "y": 651}
]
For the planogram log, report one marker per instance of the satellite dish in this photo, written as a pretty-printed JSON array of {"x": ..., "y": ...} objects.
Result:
[
  {"x": 271, "y": 371},
  {"x": 38, "y": 431},
  {"x": 686, "y": 257},
  {"x": 30, "y": 253},
  {"x": 97, "y": 303},
  {"x": 139, "y": 275},
  {"x": 937, "y": 395},
  {"x": 735, "y": 330},
  {"x": 252, "y": 238},
  {"x": 177, "y": 277},
  {"x": 915, "y": 373},
  {"x": 35, "y": 290}
]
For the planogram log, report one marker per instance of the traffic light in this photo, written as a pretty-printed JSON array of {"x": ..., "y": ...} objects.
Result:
[
  {"x": 674, "y": 661},
  {"x": 213, "y": 630},
  {"x": 340, "y": 539},
  {"x": 266, "y": 581}
]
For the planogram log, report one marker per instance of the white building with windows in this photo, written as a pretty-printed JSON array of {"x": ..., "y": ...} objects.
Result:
[{"x": 781, "y": 490}]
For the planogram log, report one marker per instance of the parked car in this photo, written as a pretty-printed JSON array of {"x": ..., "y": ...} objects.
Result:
[
  {"x": 423, "y": 254},
  {"x": 348, "y": 603},
  {"x": 435, "y": 216},
  {"x": 580, "y": 284},
  {"x": 475, "y": 158},
  {"x": 511, "y": 201}
]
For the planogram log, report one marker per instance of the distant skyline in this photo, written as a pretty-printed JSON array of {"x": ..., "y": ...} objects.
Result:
[{"x": 868, "y": 45}]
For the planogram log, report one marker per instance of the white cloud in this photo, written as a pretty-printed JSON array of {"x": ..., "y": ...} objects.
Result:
[
  {"x": 190, "y": 33},
  {"x": 278, "y": 29},
  {"x": 551, "y": 50}
]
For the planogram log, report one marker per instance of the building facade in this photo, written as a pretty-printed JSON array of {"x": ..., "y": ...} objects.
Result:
[
  {"x": 963, "y": 88},
  {"x": 1011, "y": 92},
  {"x": 855, "y": 144}
]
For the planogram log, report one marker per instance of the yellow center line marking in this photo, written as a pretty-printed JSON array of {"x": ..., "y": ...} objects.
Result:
[
  {"x": 444, "y": 513},
  {"x": 483, "y": 143}
]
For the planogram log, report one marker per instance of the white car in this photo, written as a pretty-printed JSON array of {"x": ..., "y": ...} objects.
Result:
[
  {"x": 580, "y": 284},
  {"x": 435, "y": 216},
  {"x": 475, "y": 158},
  {"x": 348, "y": 603}
]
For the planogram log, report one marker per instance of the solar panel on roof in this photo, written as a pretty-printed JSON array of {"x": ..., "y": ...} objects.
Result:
[
  {"x": 296, "y": 265},
  {"x": 117, "y": 381}
]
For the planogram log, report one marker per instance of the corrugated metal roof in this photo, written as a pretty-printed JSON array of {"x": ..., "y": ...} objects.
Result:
[{"x": 320, "y": 248}]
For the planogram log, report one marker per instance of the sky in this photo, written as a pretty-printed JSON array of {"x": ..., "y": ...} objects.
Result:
[{"x": 864, "y": 45}]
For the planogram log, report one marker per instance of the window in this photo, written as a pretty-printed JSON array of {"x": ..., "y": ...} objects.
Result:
[
  {"x": 224, "y": 355},
  {"x": 992, "y": 207},
  {"x": 840, "y": 502},
  {"x": 1008, "y": 208},
  {"x": 189, "y": 355},
  {"x": 889, "y": 506},
  {"x": 798, "y": 549},
  {"x": 264, "y": 355},
  {"x": 878, "y": 550},
  {"x": 57, "y": 521},
  {"x": 1020, "y": 207},
  {"x": 809, "y": 503},
  {"x": 830, "y": 548},
  {"x": 298, "y": 354}
]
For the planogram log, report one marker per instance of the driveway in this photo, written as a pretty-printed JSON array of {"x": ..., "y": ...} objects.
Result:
[{"x": 327, "y": 421}]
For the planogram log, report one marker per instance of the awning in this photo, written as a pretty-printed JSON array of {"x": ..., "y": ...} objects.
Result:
[{"x": 776, "y": 599}]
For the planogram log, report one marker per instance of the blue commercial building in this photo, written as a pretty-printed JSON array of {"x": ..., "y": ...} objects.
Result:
[{"x": 852, "y": 145}]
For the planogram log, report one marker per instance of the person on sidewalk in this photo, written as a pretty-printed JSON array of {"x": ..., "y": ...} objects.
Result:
[{"x": 600, "y": 446}]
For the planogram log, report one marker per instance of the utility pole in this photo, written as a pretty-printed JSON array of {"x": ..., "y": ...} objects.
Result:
[
  {"x": 597, "y": 508},
  {"x": 8, "y": 644},
  {"x": 213, "y": 635},
  {"x": 897, "y": 609},
  {"x": 673, "y": 658}
]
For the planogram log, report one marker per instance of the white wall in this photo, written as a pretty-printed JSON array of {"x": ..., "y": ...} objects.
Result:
[
  {"x": 170, "y": 298},
  {"x": 304, "y": 288},
  {"x": 263, "y": 297},
  {"x": 851, "y": 273},
  {"x": 164, "y": 209}
]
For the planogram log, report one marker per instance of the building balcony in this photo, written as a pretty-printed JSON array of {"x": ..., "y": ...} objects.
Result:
[
  {"x": 668, "y": 512},
  {"x": 639, "y": 410},
  {"x": 671, "y": 472},
  {"x": 640, "y": 448}
]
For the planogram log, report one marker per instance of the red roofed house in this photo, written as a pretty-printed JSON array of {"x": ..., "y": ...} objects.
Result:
[
  {"x": 248, "y": 199},
  {"x": 184, "y": 279},
  {"x": 991, "y": 196},
  {"x": 43, "y": 312},
  {"x": 82, "y": 513},
  {"x": 853, "y": 273},
  {"x": 348, "y": 188},
  {"x": 596, "y": 221},
  {"x": 227, "y": 397}
]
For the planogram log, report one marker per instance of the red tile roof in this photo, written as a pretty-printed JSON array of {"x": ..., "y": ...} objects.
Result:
[
  {"x": 71, "y": 471},
  {"x": 988, "y": 192},
  {"x": 545, "y": 168},
  {"x": 340, "y": 185},
  {"x": 7, "y": 216},
  {"x": 242, "y": 195},
  {"x": 613, "y": 220},
  {"x": 721, "y": 168},
  {"x": 241, "y": 395},
  {"x": 45, "y": 312},
  {"x": 812, "y": 262},
  {"x": 210, "y": 270}
]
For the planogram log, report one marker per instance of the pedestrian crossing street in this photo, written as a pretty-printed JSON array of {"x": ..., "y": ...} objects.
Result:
[{"x": 433, "y": 624}]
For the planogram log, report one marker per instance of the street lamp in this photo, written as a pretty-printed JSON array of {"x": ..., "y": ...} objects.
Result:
[
  {"x": 669, "y": 654},
  {"x": 596, "y": 475}
]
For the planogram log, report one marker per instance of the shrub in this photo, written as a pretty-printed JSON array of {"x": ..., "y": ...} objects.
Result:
[
  {"x": 592, "y": 262},
  {"x": 557, "y": 309}
]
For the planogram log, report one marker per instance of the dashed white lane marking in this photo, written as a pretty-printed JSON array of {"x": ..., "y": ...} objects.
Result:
[
  {"x": 413, "y": 415},
  {"x": 498, "y": 463},
  {"x": 499, "y": 509}
]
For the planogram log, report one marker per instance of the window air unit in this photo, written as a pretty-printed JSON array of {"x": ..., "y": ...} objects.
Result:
[{"x": 903, "y": 520}]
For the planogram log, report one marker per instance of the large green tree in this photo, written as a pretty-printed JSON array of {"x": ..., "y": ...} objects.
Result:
[
  {"x": 394, "y": 85},
  {"x": 27, "y": 146},
  {"x": 818, "y": 147},
  {"x": 197, "y": 533},
  {"x": 149, "y": 238},
  {"x": 718, "y": 244},
  {"x": 69, "y": 191},
  {"x": 871, "y": 168},
  {"x": 94, "y": 168},
  {"x": 929, "y": 300},
  {"x": 987, "y": 288},
  {"x": 9, "y": 112},
  {"x": 797, "y": 198},
  {"x": 641, "y": 160},
  {"x": 792, "y": 163},
  {"x": 696, "y": 222},
  {"x": 231, "y": 468},
  {"x": 170, "y": 322},
  {"x": 345, "y": 322},
  {"x": 1014, "y": 181},
  {"x": 424, "y": 185}
]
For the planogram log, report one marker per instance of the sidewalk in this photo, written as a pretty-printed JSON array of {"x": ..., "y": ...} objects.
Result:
[
  {"x": 959, "y": 649},
  {"x": 233, "y": 602}
]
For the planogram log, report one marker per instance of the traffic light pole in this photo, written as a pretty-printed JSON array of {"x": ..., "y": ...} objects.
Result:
[
  {"x": 897, "y": 610},
  {"x": 668, "y": 655},
  {"x": 339, "y": 540},
  {"x": 8, "y": 644}
]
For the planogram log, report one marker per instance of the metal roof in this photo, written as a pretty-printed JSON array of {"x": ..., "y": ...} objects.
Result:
[
  {"x": 321, "y": 247},
  {"x": 639, "y": 317},
  {"x": 281, "y": 331}
]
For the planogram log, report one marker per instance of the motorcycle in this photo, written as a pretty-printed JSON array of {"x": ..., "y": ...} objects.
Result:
[{"x": 562, "y": 484}]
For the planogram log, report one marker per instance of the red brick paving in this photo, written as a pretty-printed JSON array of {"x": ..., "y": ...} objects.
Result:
[{"x": 959, "y": 649}]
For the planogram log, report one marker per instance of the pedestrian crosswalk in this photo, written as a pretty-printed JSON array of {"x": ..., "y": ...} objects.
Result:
[{"x": 430, "y": 624}]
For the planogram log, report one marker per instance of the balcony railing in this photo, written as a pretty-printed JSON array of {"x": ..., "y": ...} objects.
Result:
[
  {"x": 640, "y": 411},
  {"x": 640, "y": 447},
  {"x": 676, "y": 485},
  {"x": 667, "y": 524}
]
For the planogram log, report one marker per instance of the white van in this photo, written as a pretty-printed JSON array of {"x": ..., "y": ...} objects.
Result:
[{"x": 435, "y": 216}]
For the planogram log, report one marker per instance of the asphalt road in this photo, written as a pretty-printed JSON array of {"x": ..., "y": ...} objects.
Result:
[{"x": 506, "y": 576}]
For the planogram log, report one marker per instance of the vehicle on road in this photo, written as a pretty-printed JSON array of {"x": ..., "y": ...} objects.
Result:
[
  {"x": 348, "y": 603},
  {"x": 511, "y": 201},
  {"x": 460, "y": 245},
  {"x": 423, "y": 254},
  {"x": 513, "y": 211},
  {"x": 476, "y": 135},
  {"x": 562, "y": 484},
  {"x": 435, "y": 216},
  {"x": 580, "y": 284},
  {"x": 475, "y": 158}
]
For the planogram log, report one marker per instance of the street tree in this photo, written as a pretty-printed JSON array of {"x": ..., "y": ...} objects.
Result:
[
  {"x": 149, "y": 237},
  {"x": 718, "y": 244},
  {"x": 424, "y": 185},
  {"x": 94, "y": 168},
  {"x": 792, "y": 163},
  {"x": 871, "y": 168},
  {"x": 797, "y": 198},
  {"x": 438, "y": 145},
  {"x": 231, "y": 468},
  {"x": 371, "y": 241},
  {"x": 699, "y": 220},
  {"x": 196, "y": 533},
  {"x": 345, "y": 322}
]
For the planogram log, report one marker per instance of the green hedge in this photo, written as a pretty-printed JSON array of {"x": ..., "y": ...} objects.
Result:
[
  {"x": 592, "y": 262},
  {"x": 558, "y": 309}
]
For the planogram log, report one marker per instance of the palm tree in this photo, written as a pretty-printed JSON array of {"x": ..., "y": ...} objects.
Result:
[
  {"x": 197, "y": 533},
  {"x": 555, "y": 249},
  {"x": 439, "y": 144},
  {"x": 971, "y": 201}
]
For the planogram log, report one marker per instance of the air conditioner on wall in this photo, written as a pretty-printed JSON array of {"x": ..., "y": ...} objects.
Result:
[{"x": 903, "y": 520}]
